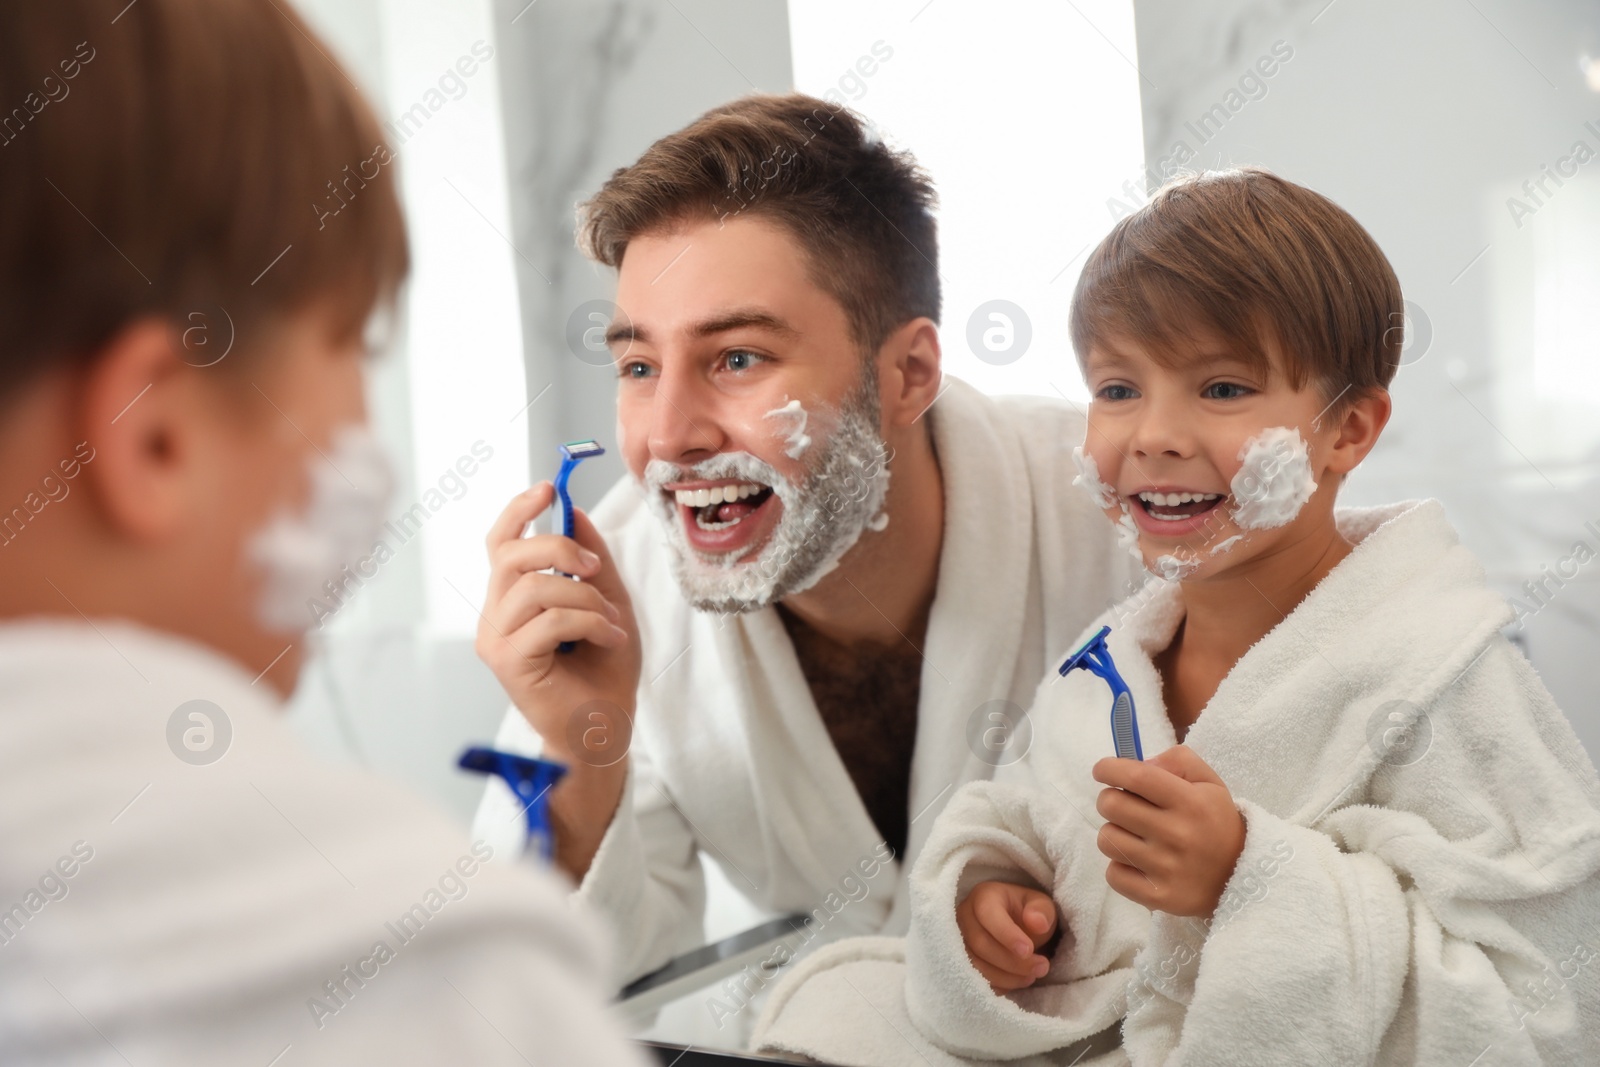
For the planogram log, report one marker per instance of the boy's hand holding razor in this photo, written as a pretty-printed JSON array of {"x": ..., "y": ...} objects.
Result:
[
  {"x": 1173, "y": 836},
  {"x": 580, "y": 701},
  {"x": 1172, "y": 832}
]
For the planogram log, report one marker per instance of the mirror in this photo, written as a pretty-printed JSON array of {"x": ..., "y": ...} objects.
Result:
[{"x": 1464, "y": 137}]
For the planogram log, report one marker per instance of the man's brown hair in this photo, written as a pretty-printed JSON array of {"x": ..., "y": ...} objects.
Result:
[
  {"x": 157, "y": 159},
  {"x": 862, "y": 211},
  {"x": 1248, "y": 257}
]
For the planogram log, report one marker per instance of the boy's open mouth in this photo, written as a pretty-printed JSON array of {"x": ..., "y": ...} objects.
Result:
[{"x": 1175, "y": 507}]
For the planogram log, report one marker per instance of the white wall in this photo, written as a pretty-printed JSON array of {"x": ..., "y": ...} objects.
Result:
[{"x": 1024, "y": 112}]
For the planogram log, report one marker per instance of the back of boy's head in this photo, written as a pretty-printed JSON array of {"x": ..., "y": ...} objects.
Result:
[
  {"x": 1247, "y": 257},
  {"x": 157, "y": 159}
]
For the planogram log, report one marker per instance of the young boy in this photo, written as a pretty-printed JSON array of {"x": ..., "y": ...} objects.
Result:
[
  {"x": 183, "y": 463},
  {"x": 1362, "y": 832}
]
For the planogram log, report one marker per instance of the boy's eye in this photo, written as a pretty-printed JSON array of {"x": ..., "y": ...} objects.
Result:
[
  {"x": 633, "y": 369},
  {"x": 1116, "y": 392},
  {"x": 742, "y": 359},
  {"x": 1226, "y": 391}
]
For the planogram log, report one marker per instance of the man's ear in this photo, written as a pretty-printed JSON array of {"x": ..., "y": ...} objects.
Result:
[
  {"x": 1360, "y": 425},
  {"x": 910, "y": 371},
  {"x": 139, "y": 409}
]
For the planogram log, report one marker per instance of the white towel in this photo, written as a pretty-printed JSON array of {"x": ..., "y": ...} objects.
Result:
[{"x": 1428, "y": 902}]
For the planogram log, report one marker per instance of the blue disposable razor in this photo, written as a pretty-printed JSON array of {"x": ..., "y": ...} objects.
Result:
[
  {"x": 531, "y": 780},
  {"x": 572, "y": 454},
  {"x": 1095, "y": 657}
]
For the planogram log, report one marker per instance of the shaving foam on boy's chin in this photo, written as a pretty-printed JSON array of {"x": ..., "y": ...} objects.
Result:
[
  {"x": 300, "y": 553},
  {"x": 1175, "y": 568},
  {"x": 1275, "y": 480}
]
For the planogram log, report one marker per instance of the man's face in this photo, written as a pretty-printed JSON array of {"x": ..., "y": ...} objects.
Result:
[{"x": 744, "y": 410}]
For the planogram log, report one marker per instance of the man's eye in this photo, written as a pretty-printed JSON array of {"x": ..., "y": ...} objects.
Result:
[
  {"x": 1226, "y": 390},
  {"x": 633, "y": 369},
  {"x": 739, "y": 359},
  {"x": 1115, "y": 392}
]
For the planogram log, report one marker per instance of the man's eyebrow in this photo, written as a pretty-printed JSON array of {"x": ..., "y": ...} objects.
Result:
[{"x": 736, "y": 319}]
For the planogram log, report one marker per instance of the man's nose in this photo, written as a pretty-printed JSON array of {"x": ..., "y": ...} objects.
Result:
[{"x": 683, "y": 423}]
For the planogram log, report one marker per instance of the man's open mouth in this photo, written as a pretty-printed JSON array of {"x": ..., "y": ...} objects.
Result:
[
  {"x": 1175, "y": 507},
  {"x": 724, "y": 506}
]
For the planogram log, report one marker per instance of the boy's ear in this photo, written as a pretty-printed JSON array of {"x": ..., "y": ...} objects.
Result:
[
  {"x": 909, "y": 371},
  {"x": 1360, "y": 425},
  {"x": 139, "y": 410}
]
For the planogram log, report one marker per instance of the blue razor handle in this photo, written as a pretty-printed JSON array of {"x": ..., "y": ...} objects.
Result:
[
  {"x": 1095, "y": 657},
  {"x": 572, "y": 454},
  {"x": 531, "y": 780}
]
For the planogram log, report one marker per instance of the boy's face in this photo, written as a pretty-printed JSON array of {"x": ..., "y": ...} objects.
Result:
[
  {"x": 738, "y": 373},
  {"x": 1203, "y": 464}
]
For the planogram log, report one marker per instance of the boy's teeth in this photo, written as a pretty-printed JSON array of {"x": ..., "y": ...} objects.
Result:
[
  {"x": 721, "y": 494},
  {"x": 1173, "y": 499}
]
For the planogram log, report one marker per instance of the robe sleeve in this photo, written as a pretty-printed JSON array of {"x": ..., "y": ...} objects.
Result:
[
  {"x": 645, "y": 881},
  {"x": 1449, "y": 917},
  {"x": 1030, "y": 835}
]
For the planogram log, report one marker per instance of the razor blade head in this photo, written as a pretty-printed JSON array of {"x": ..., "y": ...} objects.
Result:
[
  {"x": 1095, "y": 646},
  {"x": 581, "y": 449}
]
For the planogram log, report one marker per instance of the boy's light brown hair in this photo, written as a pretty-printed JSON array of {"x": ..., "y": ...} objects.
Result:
[
  {"x": 1248, "y": 257},
  {"x": 862, "y": 211},
  {"x": 156, "y": 158}
]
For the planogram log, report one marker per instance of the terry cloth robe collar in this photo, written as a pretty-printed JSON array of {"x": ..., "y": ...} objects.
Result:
[{"x": 1333, "y": 642}]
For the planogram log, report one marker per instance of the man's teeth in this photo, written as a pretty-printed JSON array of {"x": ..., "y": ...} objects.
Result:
[
  {"x": 1174, "y": 499},
  {"x": 722, "y": 494}
]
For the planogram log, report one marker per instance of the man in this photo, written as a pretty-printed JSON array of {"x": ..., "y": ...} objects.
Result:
[
  {"x": 846, "y": 572},
  {"x": 183, "y": 463}
]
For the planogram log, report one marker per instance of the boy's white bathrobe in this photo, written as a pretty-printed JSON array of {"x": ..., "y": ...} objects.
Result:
[
  {"x": 730, "y": 756},
  {"x": 159, "y": 911},
  {"x": 1418, "y": 881}
]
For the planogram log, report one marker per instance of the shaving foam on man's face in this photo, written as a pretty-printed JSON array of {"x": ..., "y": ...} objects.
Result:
[
  {"x": 757, "y": 535},
  {"x": 1199, "y": 465},
  {"x": 302, "y": 549}
]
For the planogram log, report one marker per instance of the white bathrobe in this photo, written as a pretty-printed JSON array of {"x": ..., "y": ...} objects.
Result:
[
  {"x": 730, "y": 756},
  {"x": 1418, "y": 881},
  {"x": 160, "y": 911}
]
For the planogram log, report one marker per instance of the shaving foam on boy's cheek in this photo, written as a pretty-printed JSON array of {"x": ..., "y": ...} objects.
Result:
[
  {"x": 300, "y": 553},
  {"x": 1274, "y": 481},
  {"x": 1105, "y": 498}
]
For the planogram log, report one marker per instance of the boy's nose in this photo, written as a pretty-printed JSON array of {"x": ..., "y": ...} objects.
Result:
[{"x": 1161, "y": 428}]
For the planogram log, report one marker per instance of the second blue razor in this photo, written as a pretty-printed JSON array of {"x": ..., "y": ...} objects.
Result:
[
  {"x": 1095, "y": 657},
  {"x": 572, "y": 454},
  {"x": 531, "y": 780}
]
